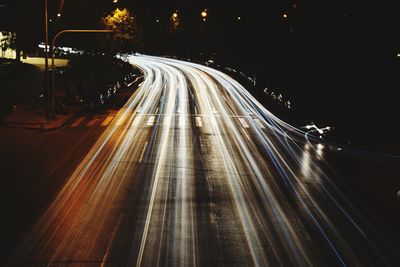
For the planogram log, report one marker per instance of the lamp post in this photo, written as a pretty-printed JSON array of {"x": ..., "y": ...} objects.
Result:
[
  {"x": 53, "y": 56},
  {"x": 46, "y": 62},
  {"x": 204, "y": 15}
]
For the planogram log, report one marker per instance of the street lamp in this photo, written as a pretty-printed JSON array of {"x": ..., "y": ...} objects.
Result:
[
  {"x": 204, "y": 14},
  {"x": 46, "y": 61}
]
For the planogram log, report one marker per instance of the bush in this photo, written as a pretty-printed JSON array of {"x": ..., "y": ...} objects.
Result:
[{"x": 92, "y": 79}]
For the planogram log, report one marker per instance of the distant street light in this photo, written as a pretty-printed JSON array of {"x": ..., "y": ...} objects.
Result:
[
  {"x": 285, "y": 15},
  {"x": 59, "y": 15},
  {"x": 175, "y": 22},
  {"x": 204, "y": 14}
]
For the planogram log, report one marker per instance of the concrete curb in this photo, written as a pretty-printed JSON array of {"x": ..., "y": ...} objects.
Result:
[{"x": 40, "y": 126}]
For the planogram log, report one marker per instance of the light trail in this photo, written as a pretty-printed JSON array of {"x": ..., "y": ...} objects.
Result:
[{"x": 195, "y": 171}]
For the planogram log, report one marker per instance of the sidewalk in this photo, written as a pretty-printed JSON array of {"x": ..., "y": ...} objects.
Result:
[
  {"x": 23, "y": 90},
  {"x": 35, "y": 119}
]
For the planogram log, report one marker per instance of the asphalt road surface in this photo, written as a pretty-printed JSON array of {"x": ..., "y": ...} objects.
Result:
[{"x": 193, "y": 171}]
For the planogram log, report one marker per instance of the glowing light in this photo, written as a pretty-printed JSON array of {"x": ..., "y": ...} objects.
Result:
[
  {"x": 319, "y": 130},
  {"x": 249, "y": 149}
]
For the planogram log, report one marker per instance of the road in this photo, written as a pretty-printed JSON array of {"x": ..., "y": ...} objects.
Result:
[{"x": 193, "y": 171}]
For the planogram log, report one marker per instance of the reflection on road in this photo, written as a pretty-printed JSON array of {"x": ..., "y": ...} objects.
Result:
[{"x": 194, "y": 171}]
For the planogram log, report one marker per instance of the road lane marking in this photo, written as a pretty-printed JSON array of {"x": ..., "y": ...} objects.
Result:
[
  {"x": 259, "y": 124},
  {"x": 244, "y": 123},
  {"x": 110, "y": 241},
  {"x": 107, "y": 120},
  {"x": 92, "y": 122},
  {"x": 199, "y": 123},
  {"x": 77, "y": 122},
  {"x": 167, "y": 120},
  {"x": 150, "y": 121},
  {"x": 144, "y": 150}
]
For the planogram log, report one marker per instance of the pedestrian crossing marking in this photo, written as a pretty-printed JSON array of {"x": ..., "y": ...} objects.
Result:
[
  {"x": 150, "y": 121},
  {"x": 92, "y": 122},
  {"x": 259, "y": 124},
  {"x": 77, "y": 122},
  {"x": 244, "y": 123},
  {"x": 121, "y": 120},
  {"x": 107, "y": 121}
]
